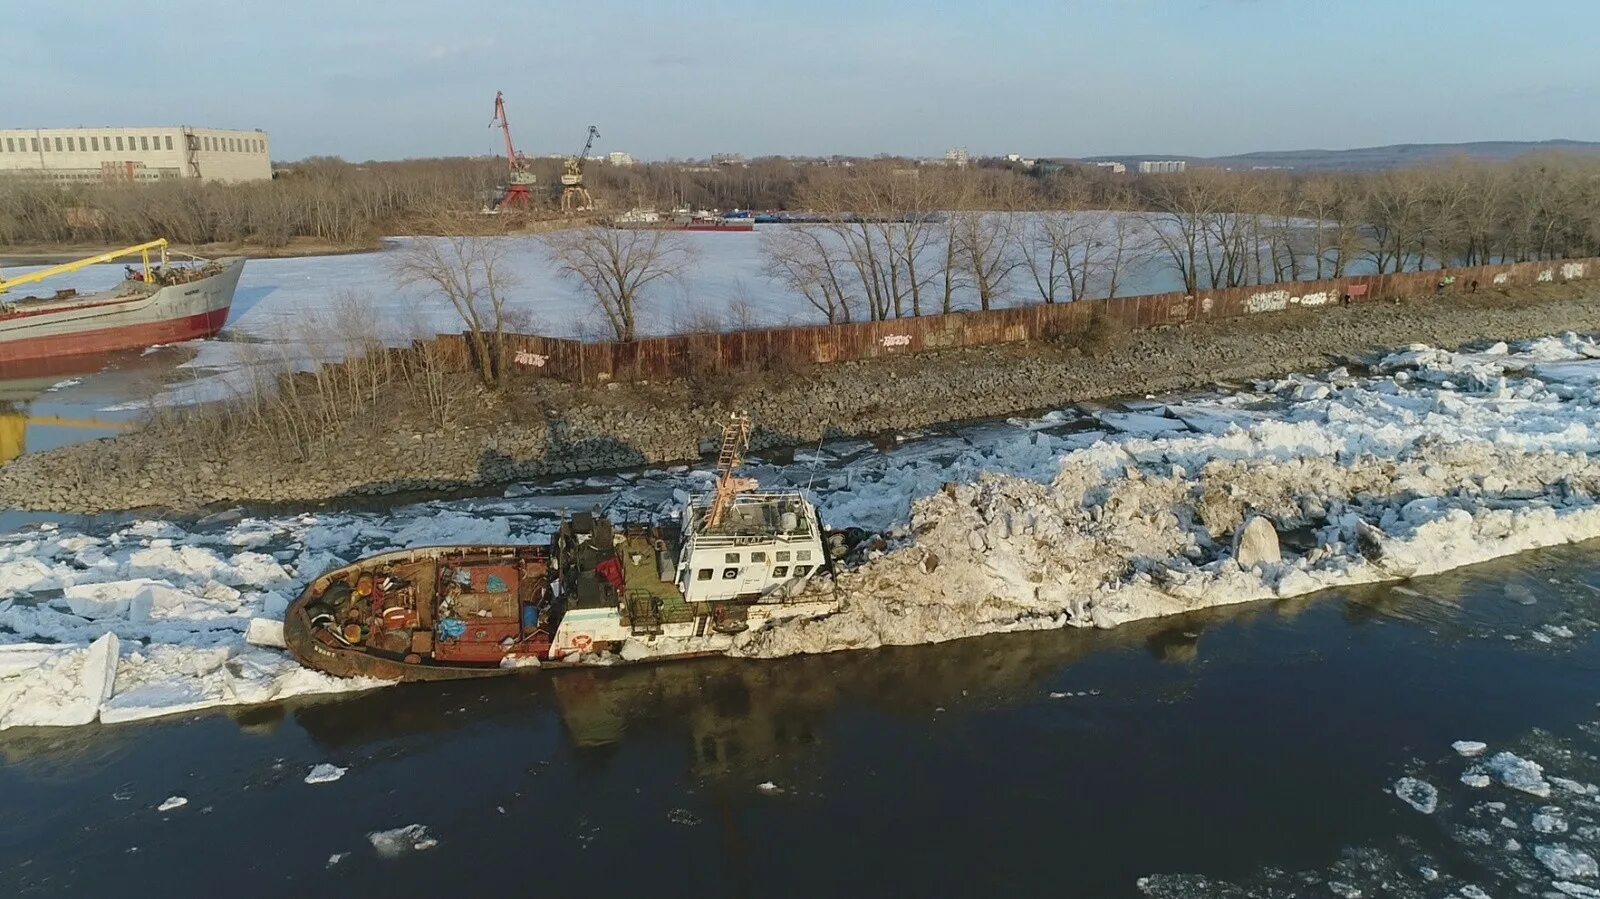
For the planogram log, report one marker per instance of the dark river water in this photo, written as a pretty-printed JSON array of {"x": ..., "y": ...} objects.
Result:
[{"x": 1250, "y": 750}]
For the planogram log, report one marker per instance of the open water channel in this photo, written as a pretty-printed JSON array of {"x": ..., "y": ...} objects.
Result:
[{"x": 1250, "y": 750}]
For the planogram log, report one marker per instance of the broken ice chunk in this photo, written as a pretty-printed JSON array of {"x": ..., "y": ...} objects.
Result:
[
  {"x": 325, "y": 773},
  {"x": 401, "y": 840},
  {"x": 1565, "y": 862},
  {"x": 1419, "y": 794},
  {"x": 1519, "y": 774}
]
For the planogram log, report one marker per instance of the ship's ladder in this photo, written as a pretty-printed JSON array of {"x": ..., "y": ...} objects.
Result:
[{"x": 735, "y": 439}]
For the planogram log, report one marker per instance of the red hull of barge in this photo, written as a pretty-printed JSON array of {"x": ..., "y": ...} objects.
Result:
[{"x": 127, "y": 337}]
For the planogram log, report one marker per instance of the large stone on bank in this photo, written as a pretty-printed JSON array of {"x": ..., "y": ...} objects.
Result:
[{"x": 1256, "y": 543}]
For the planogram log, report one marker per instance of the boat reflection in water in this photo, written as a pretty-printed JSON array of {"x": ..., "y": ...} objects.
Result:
[
  {"x": 24, "y": 384},
  {"x": 736, "y": 718}
]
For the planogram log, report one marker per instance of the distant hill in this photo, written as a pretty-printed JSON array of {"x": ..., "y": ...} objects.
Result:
[{"x": 1397, "y": 156}]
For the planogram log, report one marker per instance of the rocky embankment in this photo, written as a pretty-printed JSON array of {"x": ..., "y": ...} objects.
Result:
[{"x": 570, "y": 429}]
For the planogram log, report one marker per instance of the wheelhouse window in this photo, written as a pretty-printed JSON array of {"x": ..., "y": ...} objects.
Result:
[
  {"x": 802, "y": 570},
  {"x": 729, "y": 574},
  {"x": 758, "y": 556},
  {"x": 731, "y": 558},
  {"x": 783, "y": 555},
  {"x": 780, "y": 571},
  {"x": 703, "y": 574},
  {"x": 802, "y": 555}
]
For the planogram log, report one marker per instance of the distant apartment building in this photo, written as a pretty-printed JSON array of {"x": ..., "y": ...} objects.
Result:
[
  {"x": 956, "y": 156},
  {"x": 617, "y": 157},
  {"x": 134, "y": 155},
  {"x": 1115, "y": 168},
  {"x": 1162, "y": 167}
]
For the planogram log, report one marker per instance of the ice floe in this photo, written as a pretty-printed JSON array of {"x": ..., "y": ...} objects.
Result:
[
  {"x": 324, "y": 773},
  {"x": 1519, "y": 774},
  {"x": 1419, "y": 794},
  {"x": 402, "y": 840}
]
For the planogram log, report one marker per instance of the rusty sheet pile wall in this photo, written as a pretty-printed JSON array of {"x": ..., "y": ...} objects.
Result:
[{"x": 684, "y": 354}]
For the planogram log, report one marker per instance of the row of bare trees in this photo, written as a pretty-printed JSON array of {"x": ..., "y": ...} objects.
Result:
[
  {"x": 325, "y": 200},
  {"x": 911, "y": 241},
  {"x": 895, "y": 241}
]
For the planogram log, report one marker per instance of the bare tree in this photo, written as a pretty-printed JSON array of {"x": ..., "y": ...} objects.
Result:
[
  {"x": 1333, "y": 207},
  {"x": 1128, "y": 246},
  {"x": 1186, "y": 206},
  {"x": 801, "y": 259},
  {"x": 469, "y": 271},
  {"x": 986, "y": 245},
  {"x": 618, "y": 267}
]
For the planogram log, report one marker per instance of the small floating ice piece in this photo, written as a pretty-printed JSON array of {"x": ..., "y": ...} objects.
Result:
[
  {"x": 401, "y": 840},
  {"x": 325, "y": 773},
  {"x": 1419, "y": 794},
  {"x": 172, "y": 802},
  {"x": 336, "y": 858},
  {"x": 769, "y": 787},
  {"x": 1469, "y": 748},
  {"x": 1475, "y": 780}
]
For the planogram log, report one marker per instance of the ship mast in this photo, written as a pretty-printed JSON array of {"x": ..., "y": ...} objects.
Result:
[{"x": 735, "y": 440}]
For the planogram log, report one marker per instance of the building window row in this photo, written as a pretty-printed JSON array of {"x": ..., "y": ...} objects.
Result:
[
  {"x": 145, "y": 142},
  {"x": 233, "y": 145}
]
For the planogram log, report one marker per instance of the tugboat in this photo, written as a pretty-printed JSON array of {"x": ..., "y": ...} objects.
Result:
[{"x": 737, "y": 558}]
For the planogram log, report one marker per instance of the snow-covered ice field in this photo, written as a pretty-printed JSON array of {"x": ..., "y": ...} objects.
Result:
[{"x": 1078, "y": 518}]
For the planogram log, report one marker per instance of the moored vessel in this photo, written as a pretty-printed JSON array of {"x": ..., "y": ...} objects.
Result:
[
  {"x": 734, "y": 560},
  {"x": 166, "y": 302},
  {"x": 646, "y": 219}
]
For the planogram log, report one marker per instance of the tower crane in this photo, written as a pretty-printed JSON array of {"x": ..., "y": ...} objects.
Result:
[
  {"x": 519, "y": 180},
  {"x": 574, "y": 196}
]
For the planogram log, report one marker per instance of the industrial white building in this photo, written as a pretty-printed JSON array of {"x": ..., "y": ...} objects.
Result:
[
  {"x": 1162, "y": 166},
  {"x": 134, "y": 155}
]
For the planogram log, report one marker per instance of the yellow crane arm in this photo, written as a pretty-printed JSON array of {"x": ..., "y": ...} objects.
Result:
[{"x": 142, "y": 249}]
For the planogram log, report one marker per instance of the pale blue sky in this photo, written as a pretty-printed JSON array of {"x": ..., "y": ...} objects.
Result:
[{"x": 401, "y": 78}]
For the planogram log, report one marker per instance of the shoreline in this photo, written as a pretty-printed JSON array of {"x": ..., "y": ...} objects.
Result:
[
  {"x": 1432, "y": 462},
  {"x": 56, "y": 254},
  {"x": 543, "y": 428}
]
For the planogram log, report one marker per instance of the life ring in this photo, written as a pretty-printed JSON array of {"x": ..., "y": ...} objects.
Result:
[{"x": 582, "y": 642}]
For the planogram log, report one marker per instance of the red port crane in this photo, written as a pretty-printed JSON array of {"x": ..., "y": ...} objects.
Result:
[{"x": 519, "y": 181}]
